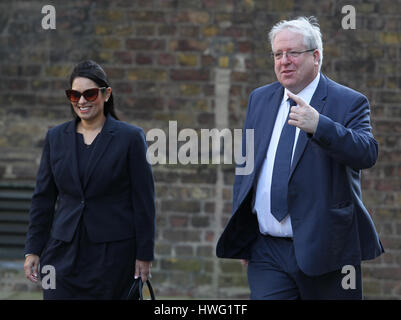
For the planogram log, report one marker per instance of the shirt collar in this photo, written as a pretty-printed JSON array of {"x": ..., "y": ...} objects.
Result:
[{"x": 307, "y": 93}]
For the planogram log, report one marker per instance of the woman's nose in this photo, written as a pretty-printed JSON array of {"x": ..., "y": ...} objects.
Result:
[{"x": 82, "y": 100}]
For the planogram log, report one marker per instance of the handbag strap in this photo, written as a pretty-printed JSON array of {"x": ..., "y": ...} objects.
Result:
[{"x": 152, "y": 294}]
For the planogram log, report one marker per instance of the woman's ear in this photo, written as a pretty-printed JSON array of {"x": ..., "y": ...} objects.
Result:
[{"x": 108, "y": 94}]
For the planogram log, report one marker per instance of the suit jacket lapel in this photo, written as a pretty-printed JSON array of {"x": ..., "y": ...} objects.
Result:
[
  {"x": 317, "y": 102},
  {"x": 70, "y": 140},
  {"x": 100, "y": 147},
  {"x": 265, "y": 124}
]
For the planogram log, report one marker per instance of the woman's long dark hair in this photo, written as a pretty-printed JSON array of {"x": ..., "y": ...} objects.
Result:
[{"x": 92, "y": 70}]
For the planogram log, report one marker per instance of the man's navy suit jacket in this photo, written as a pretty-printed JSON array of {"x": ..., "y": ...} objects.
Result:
[
  {"x": 116, "y": 200},
  {"x": 331, "y": 226}
]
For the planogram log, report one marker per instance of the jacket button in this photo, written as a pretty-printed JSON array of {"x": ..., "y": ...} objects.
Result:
[{"x": 82, "y": 202}]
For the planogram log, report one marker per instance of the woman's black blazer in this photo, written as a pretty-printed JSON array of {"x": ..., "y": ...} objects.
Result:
[{"x": 116, "y": 200}]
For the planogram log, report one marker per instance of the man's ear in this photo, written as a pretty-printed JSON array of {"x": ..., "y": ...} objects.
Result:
[{"x": 316, "y": 56}]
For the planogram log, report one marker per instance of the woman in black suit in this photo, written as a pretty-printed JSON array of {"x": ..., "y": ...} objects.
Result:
[{"x": 92, "y": 215}]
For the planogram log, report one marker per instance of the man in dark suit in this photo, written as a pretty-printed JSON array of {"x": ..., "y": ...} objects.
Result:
[{"x": 298, "y": 219}]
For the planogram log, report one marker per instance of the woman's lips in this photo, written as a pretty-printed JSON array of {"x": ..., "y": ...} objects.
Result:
[{"x": 83, "y": 109}]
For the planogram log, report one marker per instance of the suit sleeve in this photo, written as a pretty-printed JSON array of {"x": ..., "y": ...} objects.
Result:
[
  {"x": 42, "y": 205},
  {"x": 351, "y": 144},
  {"x": 143, "y": 197}
]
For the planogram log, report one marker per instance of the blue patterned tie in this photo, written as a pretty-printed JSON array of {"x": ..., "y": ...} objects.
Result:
[{"x": 281, "y": 170}]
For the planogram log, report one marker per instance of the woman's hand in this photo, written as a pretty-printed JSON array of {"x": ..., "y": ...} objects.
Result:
[
  {"x": 31, "y": 266},
  {"x": 142, "y": 269}
]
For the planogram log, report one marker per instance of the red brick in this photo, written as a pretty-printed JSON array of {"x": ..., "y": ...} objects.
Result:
[
  {"x": 114, "y": 73},
  {"x": 178, "y": 221},
  {"x": 188, "y": 31},
  {"x": 237, "y": 76},
  {"x": 206, "y": 119},
  {"x": 165, "y": 59},
  {"x": 123, "y": 57},
  {"x": 244, "y": 46},
  {"x": 145, "y": 44},
  {"x": 149, "y": 103},
  {"x": 189, "y": 75},
  {"x": 209, "y": 236},
  {"x": 188, "y": 45},
  {"x": 167, "y": 30},
  {"x": 147, "y": 16},
  {"x": 123, "y": 87},
  {"x": 208, "y": 61},
  {"x": 388, "y": 185},
  {"x": 233, "y": 32},
  {"x": 143, "y": 58},
  {"x": 16, "y": 84}
]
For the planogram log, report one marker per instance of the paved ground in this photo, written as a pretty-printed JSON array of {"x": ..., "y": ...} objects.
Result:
[
  {"x": 38, "y": 296},
  {"x": 7, "y": 295},
  {"x": 14, "y": 285}
]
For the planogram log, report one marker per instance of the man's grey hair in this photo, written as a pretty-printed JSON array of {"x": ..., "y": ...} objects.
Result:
[{"x": 307, "y": 26}]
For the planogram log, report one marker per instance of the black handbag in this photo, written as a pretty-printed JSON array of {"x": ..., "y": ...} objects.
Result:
[{"x": 135, "y": 292}]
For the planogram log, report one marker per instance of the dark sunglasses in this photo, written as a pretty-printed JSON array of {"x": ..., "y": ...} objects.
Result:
[{"x": 90, "y": 94}]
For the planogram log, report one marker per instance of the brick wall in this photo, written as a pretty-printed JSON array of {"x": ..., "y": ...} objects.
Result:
[{"x": 195, "y": 62}]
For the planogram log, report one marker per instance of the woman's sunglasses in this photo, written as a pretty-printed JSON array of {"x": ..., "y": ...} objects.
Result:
[{"x": 89, "y": 95}]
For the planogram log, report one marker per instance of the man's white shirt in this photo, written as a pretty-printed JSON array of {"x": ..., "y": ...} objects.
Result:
[{"x": 267, "y": 222}]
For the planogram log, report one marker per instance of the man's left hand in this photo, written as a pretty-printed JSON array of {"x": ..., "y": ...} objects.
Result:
[{"x": 303, "y": 116}]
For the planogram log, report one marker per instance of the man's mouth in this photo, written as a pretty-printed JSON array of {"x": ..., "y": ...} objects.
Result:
[{"x": 287, "y": 72}]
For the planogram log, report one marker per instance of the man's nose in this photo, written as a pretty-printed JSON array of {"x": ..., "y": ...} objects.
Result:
[{"x": 285, "y": 59}]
